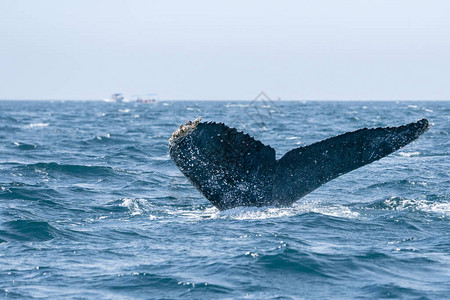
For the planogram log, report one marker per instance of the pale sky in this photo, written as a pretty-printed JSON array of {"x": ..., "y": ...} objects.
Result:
[{"x": 230, "y": 50}]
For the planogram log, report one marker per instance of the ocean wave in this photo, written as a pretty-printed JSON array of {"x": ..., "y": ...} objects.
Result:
[
  {"x": 27, "y": 231},
  {"x": 23, "y": 191},
  {"x": 391, "y": 291},
  {"x": 106, "y": 139},
  {"x": 290, "y": 260},
  {"x": 141, "y": 284},
  {"x": 134, "y": 149},
  {"x": 130, "y": 153},
  {"x": 9, "y": 120},
  {"x": 73, "y": 170},
  {"x": 9, "y": 129},
  {"x": 25, "y": 146},
  {"x": 399, "y": 184}
]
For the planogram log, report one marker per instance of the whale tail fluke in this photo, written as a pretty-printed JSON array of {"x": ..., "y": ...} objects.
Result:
[
  {"x": 228, "y": 167},
  {"x": 232, "y": 169},
  {"x": 307, "y": 168}
]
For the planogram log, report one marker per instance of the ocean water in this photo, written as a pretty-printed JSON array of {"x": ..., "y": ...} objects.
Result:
[{"x": 93, "y": 207}]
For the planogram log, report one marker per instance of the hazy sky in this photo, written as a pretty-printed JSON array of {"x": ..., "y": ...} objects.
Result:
[{"x": 303, "y": 50}]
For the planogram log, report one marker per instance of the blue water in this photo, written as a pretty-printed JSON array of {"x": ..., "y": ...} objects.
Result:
[{"x": 93, "y": 207}]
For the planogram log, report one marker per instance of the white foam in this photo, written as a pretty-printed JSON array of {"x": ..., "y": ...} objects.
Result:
[
  {"x": 259, "y": 213},
  {"x": 237, "y": 105},
  {"x": 135, "y": 206},
  {"x": 442, "y": 208},
  {"x": 439, "y": 208},
  {"x": 107, "y": 136},
  {"x": 409, "y": 154},
  {"x": 38, "y": 125},
  {"x": 196, "y": 215}
]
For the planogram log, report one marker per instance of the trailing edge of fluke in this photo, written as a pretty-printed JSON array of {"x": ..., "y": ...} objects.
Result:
[{"x": 233, "y": 169}]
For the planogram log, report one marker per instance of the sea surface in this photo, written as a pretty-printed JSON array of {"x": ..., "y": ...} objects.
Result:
[{"x": 92, "y": 207}]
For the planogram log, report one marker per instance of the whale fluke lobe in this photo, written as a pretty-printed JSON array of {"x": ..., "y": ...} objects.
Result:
[{"x": 231, "y": 168}]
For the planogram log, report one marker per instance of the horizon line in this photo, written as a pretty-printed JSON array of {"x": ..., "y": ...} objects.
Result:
[{"x": 244, "y": 100}]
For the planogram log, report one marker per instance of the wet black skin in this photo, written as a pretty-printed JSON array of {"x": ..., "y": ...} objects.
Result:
[{"x": 232, "y": 169}]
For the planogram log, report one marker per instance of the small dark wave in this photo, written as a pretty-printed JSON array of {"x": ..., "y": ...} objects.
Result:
[
  {"x": 24, "y": 146},
  {"x": 144, "y": 183},
  {"x": 391, "y": 290},
  {"x": 131, "y": 152},
  {"x": 9, "y": 129},
  {"x": 72, "y": 170},
  {"x": 106, "y": 139},
  {"x": 123, "y": 234},
  {"x": 16, "y": 213},
  {"x": 27, "y": 231},
  {"x": 151, "y": 181},
  {"x": 292, "y": 260},
  {"x": 30, "y": 192},
  {"x": 83, "y": 236},
  {"x": 16, "y": 294},
  {"x": 438, "y": 197},
  {"x": 372, "y": 255},
  {"x": 142, "y": 284},
  {"x": 394, "y": 183},
  {"x": 10, "y": 120},
  {"x": 134, "y": 149}
]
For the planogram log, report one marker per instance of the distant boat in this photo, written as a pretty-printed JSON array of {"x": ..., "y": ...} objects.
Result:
[
  {"x": 148, "y": 98},
  {"x": 117, "y": 97}
]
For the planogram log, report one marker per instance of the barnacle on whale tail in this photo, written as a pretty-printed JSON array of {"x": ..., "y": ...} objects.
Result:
[{"x": 184, "y": 129}]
